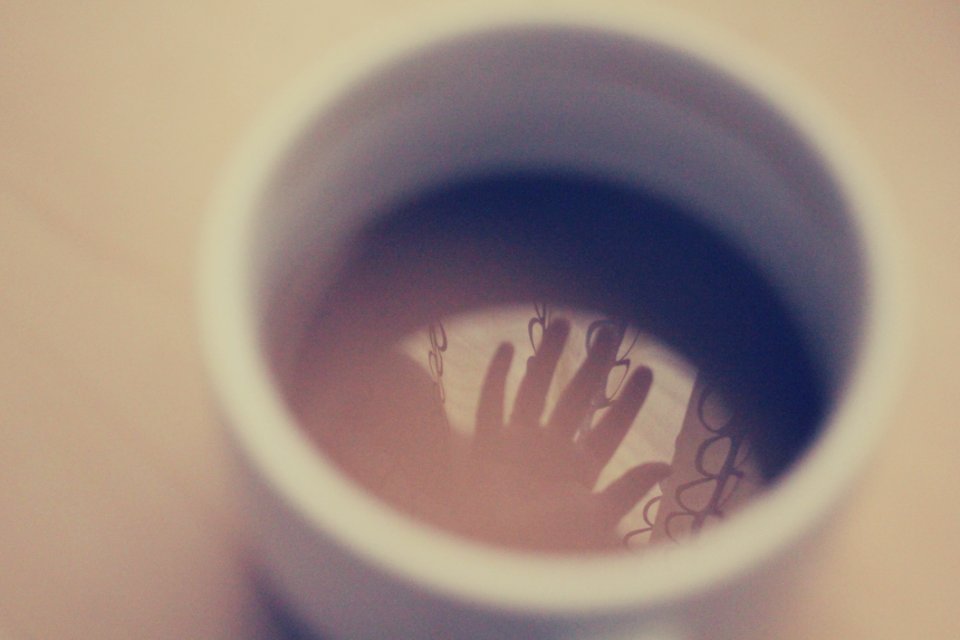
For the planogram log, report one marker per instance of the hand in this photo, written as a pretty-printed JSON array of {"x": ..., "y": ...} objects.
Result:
[{"x": 532, "y": 486}]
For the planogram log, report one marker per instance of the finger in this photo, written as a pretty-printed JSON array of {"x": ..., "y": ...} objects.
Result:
[
  {"x": 604, "y": 439},
  {"x": 624, "y": 493},
  {"x": 574, "y": 403},
  {"x": 490, "y": 406},
  {"x": 532, "y": 394}
]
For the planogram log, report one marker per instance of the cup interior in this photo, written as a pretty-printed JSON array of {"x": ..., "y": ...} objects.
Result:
[
  {"x": 764, "y": 282},
  {"x": 541, "y": 100}
]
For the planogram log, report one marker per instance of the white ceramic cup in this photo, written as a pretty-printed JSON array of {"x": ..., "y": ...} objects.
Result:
[{"x": 632, "y": 96}]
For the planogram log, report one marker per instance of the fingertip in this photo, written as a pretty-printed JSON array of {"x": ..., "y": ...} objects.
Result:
[
  {"x": 489, "y": 416},
  {"x": 658, "y": 471},
  {"x": 649, "y": 473},
  {"x": 554, "y": 338},
  {"x": 606, "y": 343},
  {"x": 636, "y": 390},
  {"x": 642, "y": 378},
  {"x": 559, "y": 327},
  {"x": 504, "y": 351},
  {"x": 625, "y": 492}
]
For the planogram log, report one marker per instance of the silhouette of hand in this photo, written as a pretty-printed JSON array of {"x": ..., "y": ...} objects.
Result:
[{"x": 531, "y": 485}]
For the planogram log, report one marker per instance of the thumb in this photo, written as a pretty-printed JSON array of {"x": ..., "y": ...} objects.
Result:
[{"x": 628, "y": 490}]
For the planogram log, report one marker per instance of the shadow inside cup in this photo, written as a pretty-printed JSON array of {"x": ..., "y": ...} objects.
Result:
[{"x": 571, "y": 241}]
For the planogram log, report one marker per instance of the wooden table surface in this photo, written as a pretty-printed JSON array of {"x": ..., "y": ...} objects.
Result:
[{"x": 117, "y": 514}]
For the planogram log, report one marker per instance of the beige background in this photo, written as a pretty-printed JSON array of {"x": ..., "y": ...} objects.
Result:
[{"x": 117, "y": 517}]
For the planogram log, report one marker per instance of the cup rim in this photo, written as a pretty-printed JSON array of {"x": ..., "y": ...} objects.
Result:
[{"x": 287, "y": 461}]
